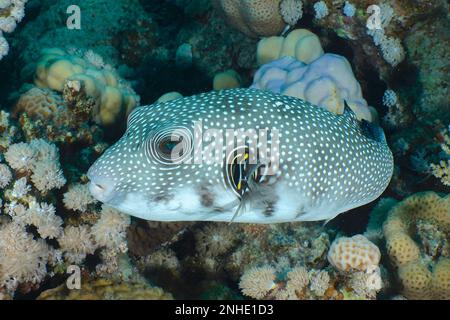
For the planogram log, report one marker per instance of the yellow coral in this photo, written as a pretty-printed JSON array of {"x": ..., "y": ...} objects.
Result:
[
  {"x": 441, "y": 279},
  {"x": 113, "y": 96},
  {"x": 226, "y": 80},
  {"x": 426, "y": 205},
  {"x": 300, "y": 43},
  {"x": 416, "y": 281},
  {"x": 103, "y": 289},
  {"x": 402, "y": 249},
  {"x": 254, "y": 18},
  {"x": 400, "y": 229}
]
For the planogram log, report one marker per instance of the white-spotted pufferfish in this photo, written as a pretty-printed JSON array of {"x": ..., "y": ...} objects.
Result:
[{"x": 324, "y": 163}]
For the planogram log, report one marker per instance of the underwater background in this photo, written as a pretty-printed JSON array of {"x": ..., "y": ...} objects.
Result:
[{"x": 72, "y": 71}]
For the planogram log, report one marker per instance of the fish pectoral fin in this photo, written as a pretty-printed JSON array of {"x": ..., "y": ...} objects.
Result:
[{"x": 238, "y": 212}]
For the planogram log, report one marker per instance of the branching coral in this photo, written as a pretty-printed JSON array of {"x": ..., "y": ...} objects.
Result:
[
  {"x": 441, "y": 170},
  {"x": 391, "y": 48},
  {"x": 5, "y": 175},
  {"x": 291, "y": 11},
  {"x": 321, "y": 9},
  {"x": 42, "y": 215}
]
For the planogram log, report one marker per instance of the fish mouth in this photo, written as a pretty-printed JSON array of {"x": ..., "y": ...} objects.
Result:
[{"x": 101, "y": 188}]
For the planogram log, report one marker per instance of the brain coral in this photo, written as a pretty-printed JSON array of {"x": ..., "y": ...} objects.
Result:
[
  {"x": 254, "y": 18},
  {"x": 39, "y": 103},
  {"x": 356, "y": 253},
  {"x": 86, "y": 73},
  {"x": 327, "y": 82}
]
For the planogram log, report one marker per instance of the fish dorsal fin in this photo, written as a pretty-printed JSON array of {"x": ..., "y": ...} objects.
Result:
[
  {"x": 349, "y": 113},
  {"x": 372, "y": 131},
  {"x": 368, "y": 129}
]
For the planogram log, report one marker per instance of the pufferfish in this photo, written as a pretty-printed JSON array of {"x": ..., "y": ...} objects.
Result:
[{"x": 315, "y": 164}]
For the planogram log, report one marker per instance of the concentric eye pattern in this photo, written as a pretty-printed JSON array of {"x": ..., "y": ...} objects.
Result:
[{"x": 170, "y": 146}]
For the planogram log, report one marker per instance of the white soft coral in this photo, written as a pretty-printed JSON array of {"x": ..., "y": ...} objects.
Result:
[{"x": 11, "y": 13}]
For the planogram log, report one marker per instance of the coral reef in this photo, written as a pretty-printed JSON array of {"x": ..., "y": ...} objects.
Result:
[
  {"x": 300, "y": 43},
  {"x": 61, "y": 108},
  {"x": 327, "y": 82},
  {"x": 254, "y": 18},
  {"x": 86, "y": 75},
  {"x": 356, "y": 253},
  {"x": 417, "y": 241},
  {"x": 105, "y": 289},
  {"x": 11, "y": 13},
  {"x": 227, "y": 80},
  {"x": 39, "y": 237}
]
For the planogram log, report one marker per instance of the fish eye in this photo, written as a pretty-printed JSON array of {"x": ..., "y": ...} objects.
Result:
[{"x": 167, "y": 145}]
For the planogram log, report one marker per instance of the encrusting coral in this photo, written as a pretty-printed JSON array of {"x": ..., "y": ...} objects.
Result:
[{"x": 106, "y": 289}]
